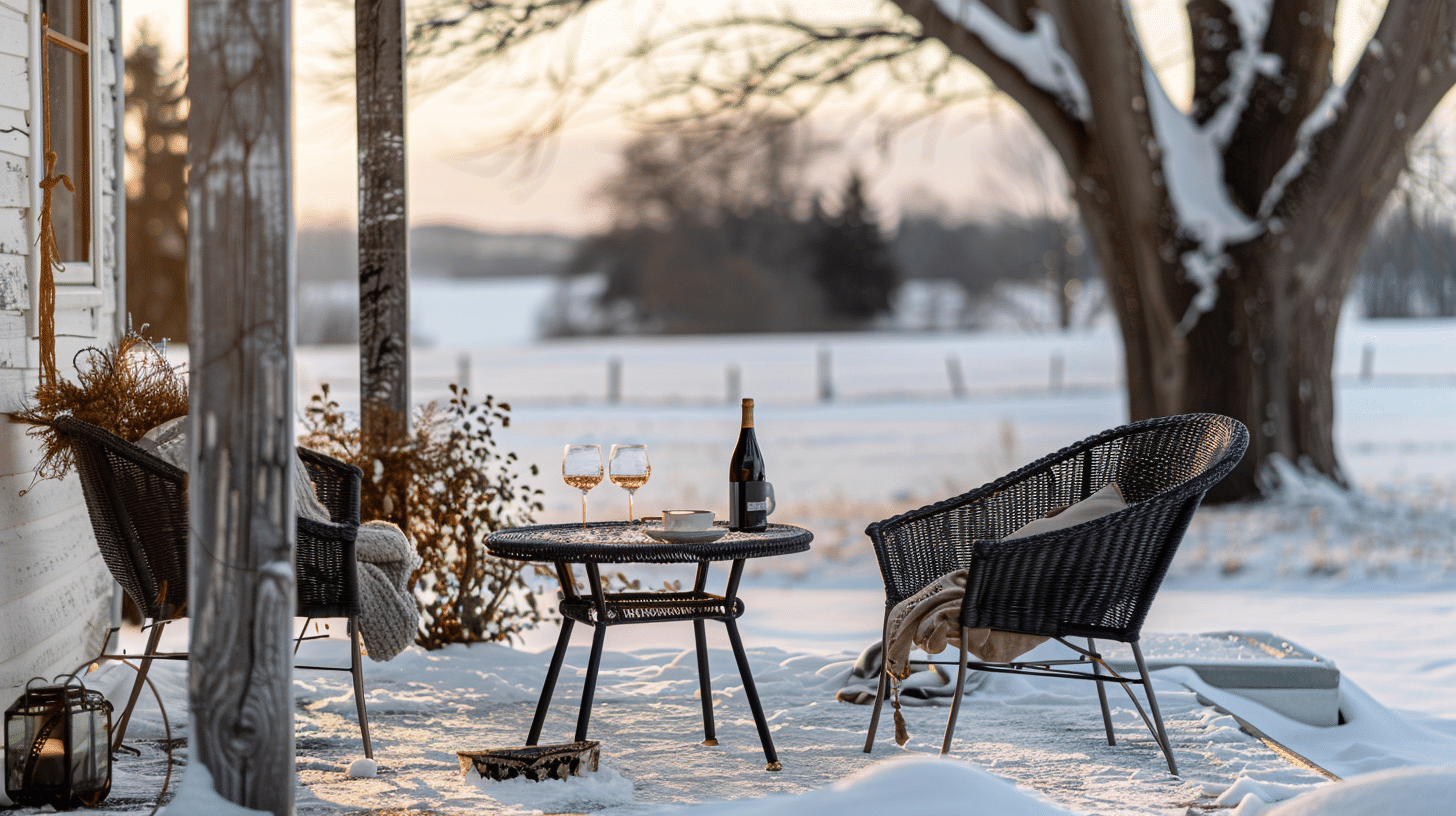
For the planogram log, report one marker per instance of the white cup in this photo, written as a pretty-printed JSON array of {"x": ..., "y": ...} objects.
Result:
[{"x": 687, "y": 521}]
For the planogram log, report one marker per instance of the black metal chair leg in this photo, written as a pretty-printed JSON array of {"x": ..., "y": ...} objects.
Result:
[
  {"x": 153, "y": 639},
  {"x": 960, "y": 691},
  {"x": 882, "y": 690},
  {"x": 705, "y": 683},
  {"x": 1161, "y": 734},
  {"x": 298, "y": 641},
  {"x": 751, "y": 692},
  {"x": 356, "y": 668},
  {"x": 588, "y": 691},
  {"x": 1101, "y": 692},
  {"x": 880, "y": 693},
  {"x": 562, "y": 641}
]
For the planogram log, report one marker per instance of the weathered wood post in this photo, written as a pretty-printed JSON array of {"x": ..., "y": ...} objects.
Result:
[
  {"x": 240, "y": 284},
  {"x": 383, "y": 242}
]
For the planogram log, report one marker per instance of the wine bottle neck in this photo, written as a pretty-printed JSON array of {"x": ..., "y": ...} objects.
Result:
[{"x": 748, "y": 413}]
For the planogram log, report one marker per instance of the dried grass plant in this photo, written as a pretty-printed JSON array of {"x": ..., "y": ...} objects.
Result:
[
  {"x": 461, "y": 488},
  {"x": 127, "y": 388}
]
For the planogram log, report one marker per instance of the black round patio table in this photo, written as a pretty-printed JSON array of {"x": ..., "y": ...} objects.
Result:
[{"x": 617, "y": 542}]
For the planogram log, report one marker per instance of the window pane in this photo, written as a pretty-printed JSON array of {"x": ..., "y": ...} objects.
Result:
[
  {"x": 67, "y": 17},
  {"x": 69, "y": 99}
]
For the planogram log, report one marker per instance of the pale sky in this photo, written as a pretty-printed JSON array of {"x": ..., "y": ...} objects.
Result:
[{"x": 943, "y": 166}]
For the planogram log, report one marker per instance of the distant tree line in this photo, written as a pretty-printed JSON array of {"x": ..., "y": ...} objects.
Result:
[
  {"x": 715, "y": 230},
  {"x": 992, "y": 259},
  {"x": 1409, "y": 267}
]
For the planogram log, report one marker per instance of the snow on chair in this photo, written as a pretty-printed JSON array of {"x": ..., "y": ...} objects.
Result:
[
  {"x": 1094, "y": 579},
  {"x": 138, "y": 507}
]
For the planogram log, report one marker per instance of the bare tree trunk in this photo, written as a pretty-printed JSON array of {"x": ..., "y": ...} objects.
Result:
[
  {"x": 383, "y": 243},
  {"x": 240, "y": 276}
]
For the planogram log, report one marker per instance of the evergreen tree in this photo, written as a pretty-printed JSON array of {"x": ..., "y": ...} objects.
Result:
[
  {"x": 852, "y": 261},
  {"x": 156, "y": 192}
]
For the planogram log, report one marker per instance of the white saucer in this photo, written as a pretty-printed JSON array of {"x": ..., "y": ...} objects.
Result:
[{"x": 686, "y": 536}]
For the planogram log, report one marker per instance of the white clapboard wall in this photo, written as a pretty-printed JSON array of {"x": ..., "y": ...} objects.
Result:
[{"x": 55, "y": 591}]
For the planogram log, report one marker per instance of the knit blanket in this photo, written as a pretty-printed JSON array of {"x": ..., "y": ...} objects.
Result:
[{"x": 388, "y": 615}]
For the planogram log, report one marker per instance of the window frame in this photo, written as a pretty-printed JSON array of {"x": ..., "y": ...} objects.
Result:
[{"x": 73, "y": 273}]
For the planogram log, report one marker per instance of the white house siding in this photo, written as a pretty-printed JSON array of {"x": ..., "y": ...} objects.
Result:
[{"x": 55, "y": 592}]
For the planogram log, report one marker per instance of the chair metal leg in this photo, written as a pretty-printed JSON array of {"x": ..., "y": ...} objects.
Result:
[
  {"x": 562, "y": 641},
  {"x": 588, "y": 691},
  {"x": 705, "y": 683},
  {"x": 356, "y": 668},
  {"x": 303, "y": 630},
  {"x": 960, "y": 691},
  {"x": 882, "y": 690},
  {"x": 751, "y": 691},
  {"x": 880, "y": 693},
  {"x": 1160, "y": 734},
  {"x": 1101, "y": 692},
  {"x": 153, "y": 639}
]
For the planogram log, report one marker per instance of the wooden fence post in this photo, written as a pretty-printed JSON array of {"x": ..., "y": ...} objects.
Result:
[
  {"x": 614, "y": 380},
  {"x": 956, "y": 375},
  {"x": 825, "y": 375},
  {"x": 241, "y": 329},
  {"x": 384, "y": 370},
  {"x": 734, "y": 385}
]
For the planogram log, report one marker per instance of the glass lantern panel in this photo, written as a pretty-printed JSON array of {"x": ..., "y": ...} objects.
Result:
[
  {"x": 88, "y": 750},
  {"x": 17, "y": 737}
]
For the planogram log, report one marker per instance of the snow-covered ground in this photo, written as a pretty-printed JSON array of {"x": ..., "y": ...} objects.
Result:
[{"x": 1367, "y": 580}]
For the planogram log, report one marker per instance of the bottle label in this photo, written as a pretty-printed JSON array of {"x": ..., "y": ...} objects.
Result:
[{"x": 749, "y": 505}]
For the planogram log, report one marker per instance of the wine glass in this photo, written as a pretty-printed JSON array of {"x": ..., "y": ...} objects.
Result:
[
  {"x": 629, "y": 469},
  {"x": 581, "y": 468}
]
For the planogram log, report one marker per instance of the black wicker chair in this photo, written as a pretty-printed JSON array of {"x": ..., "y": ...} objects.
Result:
[
  {"x": 1094, "y": 580},
  {"x": 138, "y": 508}
]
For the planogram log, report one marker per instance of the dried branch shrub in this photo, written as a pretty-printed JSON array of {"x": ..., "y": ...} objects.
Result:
[
  {"x": 127, "y": 388},
  {"x": 461, "y": 488}
]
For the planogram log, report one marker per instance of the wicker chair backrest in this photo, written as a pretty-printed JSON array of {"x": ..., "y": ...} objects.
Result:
[
  {"x": 1096, "y": 578},
  {"x": 138, "y": 508}
]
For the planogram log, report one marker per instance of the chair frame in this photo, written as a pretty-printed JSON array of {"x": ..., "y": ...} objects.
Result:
[
  {"x": 138, "y": 507},
  {"x": 1095, "y": 580}
]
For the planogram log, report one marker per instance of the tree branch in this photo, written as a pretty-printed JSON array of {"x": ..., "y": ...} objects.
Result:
[
  {"x": 1297, "y": 46},
  {"x": 1406, "y": 70}
]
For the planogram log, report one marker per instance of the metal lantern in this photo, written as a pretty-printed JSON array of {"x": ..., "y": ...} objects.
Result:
[{"x": 57, "y": 746}]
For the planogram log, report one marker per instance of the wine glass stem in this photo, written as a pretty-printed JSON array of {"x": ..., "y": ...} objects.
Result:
[
  {"x": 583, "y": 509},
  {"x": 630, "y": 518}
]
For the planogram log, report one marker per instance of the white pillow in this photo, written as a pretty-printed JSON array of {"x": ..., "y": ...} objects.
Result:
[{"x": 1104, "y": 502}]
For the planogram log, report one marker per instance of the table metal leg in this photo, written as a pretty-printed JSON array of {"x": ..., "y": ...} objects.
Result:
[
  {"x": 752, "y": 693},
  {"x": 705, "y": 685},
  {"x": 562, "y": 641},
  {"x": 589, "y": 689}
]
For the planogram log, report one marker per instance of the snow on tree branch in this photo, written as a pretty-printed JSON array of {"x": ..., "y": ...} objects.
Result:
[
  {"x": 1192, "y": 161},
  {"x": 1245, "y": 65},
  {"x": 1323, "y": 115},
  {"x": 1037, "y": 54}
]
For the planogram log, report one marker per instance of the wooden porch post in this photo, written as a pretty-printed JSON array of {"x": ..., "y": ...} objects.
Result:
[
  {"x": 383, "y": 240},
  {"x": 240, "y": 283}
]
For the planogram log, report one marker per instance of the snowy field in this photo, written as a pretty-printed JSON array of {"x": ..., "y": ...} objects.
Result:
[{"x": 1366, "y": 579}]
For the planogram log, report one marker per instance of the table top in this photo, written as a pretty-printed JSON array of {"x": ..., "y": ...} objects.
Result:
[{"x": 621, "y": 542}]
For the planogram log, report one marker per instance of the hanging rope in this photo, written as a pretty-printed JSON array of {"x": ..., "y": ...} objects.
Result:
[
  {"x": 50, "y": 261},
  {"x": 50, "y": 254}
]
